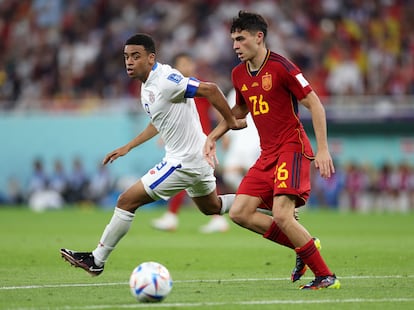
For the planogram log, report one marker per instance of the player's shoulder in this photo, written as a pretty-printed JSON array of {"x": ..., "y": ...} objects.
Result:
[
  {"x": 281, "y": 62},
  {"x": 169, "y": 75},
  {"x": 165, "y": 71}
]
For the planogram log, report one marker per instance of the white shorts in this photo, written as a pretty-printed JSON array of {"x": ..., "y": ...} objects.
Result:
[{"x": 166, "y": 179}]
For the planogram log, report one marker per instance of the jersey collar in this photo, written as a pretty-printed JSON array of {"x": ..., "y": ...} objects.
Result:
[{"x": 256, "y": 72}]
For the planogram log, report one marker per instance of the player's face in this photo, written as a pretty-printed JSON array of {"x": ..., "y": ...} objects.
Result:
[
  {"x": 245, "y": 44},
  {"x": 138, "y": 62}
]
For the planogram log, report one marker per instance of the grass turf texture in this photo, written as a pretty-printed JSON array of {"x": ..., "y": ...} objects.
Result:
[{"x": 371, "y": 254}]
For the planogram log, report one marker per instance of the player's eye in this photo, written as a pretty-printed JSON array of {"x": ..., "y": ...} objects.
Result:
[{"x": 133, "y": 56}]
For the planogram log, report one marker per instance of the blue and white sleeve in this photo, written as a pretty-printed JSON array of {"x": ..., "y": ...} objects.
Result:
[{"x": 192, "y": 86}]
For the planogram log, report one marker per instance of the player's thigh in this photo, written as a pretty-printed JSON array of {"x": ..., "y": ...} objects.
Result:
[
  {"x": 203, "y": 191},
  {"x": 292, "y": 176},
  {"x": 244, "y": 205},
  {"x": 165, "y": 180},
  {"x": 134, "y": 197},
  {"x": 284, "y": 207}
]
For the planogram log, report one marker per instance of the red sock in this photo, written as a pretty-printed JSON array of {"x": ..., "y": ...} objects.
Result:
[
  {"x": 176, "y": 202},
  {"x": 275, "y": 234},
  {"x": 312, "y": 257}
]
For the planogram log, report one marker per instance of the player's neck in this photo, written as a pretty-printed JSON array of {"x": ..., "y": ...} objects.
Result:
[{"x": 256, "y": 62}]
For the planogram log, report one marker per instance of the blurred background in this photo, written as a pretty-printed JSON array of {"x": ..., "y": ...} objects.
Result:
[{"x": 66, "y": 101}]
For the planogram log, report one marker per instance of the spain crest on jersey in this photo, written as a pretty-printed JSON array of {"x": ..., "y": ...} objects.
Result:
[{"x": 267, "y": 82}]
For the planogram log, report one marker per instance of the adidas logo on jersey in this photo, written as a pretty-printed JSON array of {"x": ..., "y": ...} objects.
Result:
[{"x": 282, "y": 185}]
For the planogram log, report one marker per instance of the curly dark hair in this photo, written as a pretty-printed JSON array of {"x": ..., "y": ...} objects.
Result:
[
  {"x": 142, "y": 39},
  {"x": 250, "y": 22}
]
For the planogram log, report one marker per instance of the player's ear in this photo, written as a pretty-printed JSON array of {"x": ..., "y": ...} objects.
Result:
[
  {"x": 151, "y": 58},
  {"x": 259, "y": 37}
]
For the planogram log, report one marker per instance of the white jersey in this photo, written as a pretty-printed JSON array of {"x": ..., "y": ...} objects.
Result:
[{"x": 167, "y": 98}]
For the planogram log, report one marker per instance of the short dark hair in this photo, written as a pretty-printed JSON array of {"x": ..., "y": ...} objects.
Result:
[
  {"x": 142, "y": 39},
  {"x": 249, "y": 22}
]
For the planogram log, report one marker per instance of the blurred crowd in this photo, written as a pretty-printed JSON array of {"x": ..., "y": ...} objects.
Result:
[
  {"x": 365, "y": 188},
  {"x": 58, "y": 185},
  {"x": 65, "y": 55},
  {"x": 354, "y": 187}
]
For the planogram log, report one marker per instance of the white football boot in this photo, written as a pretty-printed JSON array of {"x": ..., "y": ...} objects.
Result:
[{"x": 168, "y": 222}]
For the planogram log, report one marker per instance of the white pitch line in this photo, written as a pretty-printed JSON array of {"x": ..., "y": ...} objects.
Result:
[
  {"x": 258, "y": 302},
  {"x": 4, "y": 288}
]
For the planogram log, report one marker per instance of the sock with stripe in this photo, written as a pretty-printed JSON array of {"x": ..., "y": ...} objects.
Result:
[
  {"x": 312, "y": 257},
  {"x": 275, "y": 234}
]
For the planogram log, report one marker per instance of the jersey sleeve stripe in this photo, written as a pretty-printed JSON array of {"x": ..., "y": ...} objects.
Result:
[{"x": 192, "y": 87}]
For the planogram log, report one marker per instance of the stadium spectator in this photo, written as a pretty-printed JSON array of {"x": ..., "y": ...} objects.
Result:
[
  {"x": 39, "y": 180},
  {"x": 400, "y": 187},
  {"x": 78, "y": 182},
  {"x": 59, "y": 179},
  {"x": 55, "y": 50},
  {"x": 327, "y": 192},
  {"x": 100, "y": 186},
  {"x": 357, "y": 187},
  {"x": 41, "y": 39},
  {"x": 345, "y": 78},
  {"x": 41, "y": 196}
]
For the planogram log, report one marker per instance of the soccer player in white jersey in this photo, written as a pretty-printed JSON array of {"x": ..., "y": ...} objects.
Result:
[{"x": 167, "y": 98}]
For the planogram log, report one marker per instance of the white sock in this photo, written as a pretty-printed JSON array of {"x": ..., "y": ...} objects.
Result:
[
  {"x": 226, "y": 202},
  {"x": 114, "y": 231}
]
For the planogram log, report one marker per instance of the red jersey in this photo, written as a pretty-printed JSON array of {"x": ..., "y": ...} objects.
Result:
[{"x": 272, "y": 94}]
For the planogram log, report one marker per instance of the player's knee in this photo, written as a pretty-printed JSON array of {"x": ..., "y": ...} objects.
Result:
[
  {"x": 209, "y": 208},
  {"x": 122, "y": 202},
  {"x": 125, "y": 203},
  {"x": 210, "y": 205},
  {"x": 282, "y": 220},
  {"x": 237, "y": 215}
]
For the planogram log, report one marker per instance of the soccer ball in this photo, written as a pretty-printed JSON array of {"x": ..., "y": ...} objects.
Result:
[{"x": 150, "y": 282}]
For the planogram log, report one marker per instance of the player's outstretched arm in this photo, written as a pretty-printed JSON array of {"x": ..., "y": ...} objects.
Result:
[{"x": 149, "y": 132}]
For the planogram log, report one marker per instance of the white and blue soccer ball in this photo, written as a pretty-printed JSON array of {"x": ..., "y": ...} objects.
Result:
[{"x": 150, "y": 282}]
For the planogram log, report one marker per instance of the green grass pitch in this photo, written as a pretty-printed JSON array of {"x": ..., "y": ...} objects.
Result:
[{"x": 372, "y": 255}]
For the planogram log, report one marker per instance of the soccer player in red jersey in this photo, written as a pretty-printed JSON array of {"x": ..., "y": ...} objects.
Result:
[{"x": 270, "y": 87}]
